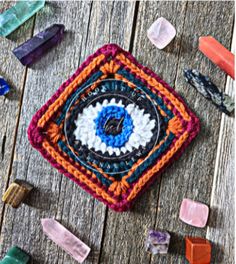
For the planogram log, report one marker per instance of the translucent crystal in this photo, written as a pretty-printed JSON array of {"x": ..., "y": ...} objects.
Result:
[
  {"x": 34, "y": 48},
  {"x": 161, "y": 33},
  {"x": 15, "y": 16},
  {"x": 4, "y": 86},
  {"x": 194, "y": 213},
  {"x": 65, "y": 239},
  {"x": 157, "y": 242}
]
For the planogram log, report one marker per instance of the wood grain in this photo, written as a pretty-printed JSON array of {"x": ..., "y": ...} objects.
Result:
[
  {"x": 56, "y": 196},
  {"x": 192, "y": 175},
  {"x": 221, "y": 222},
  {"x": 14, "y": 74},
  {"x": 130, "y": 228},
  {"x": 203, "y": 173}
]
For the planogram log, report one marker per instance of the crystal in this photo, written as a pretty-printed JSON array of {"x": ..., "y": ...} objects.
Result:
[
  {"x": 15, "y": 16},
  {"x": 157, "y": 242},
  {"x": 198, "y": 250},
  {"x": 16, "y": 193},
  {"x": 34, "y": 48},
  {"x": 194, "y": 213},
  {"x": 218, "y": 54},
  {"x": 4, "y": 86},
  {"x": 209, "y": 90},
  {"x": 65, "y": 239},
  {"x": 161, "y": 33},
  {"x": 15, "y": 255}
]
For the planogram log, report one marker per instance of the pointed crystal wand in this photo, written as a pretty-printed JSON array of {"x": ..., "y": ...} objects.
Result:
[
  {"x": 209, "y": 90},
  {"x": 65, "y": 239},
  {"x": 34, "y": 48}
]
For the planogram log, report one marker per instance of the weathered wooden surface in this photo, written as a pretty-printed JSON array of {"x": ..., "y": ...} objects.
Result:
[
  {"x": 222, "y": 222},
  {"x": 201, "y": 173}
]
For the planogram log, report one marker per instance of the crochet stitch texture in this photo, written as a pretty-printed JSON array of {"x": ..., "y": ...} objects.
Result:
[{"x": 113, "y": 127}]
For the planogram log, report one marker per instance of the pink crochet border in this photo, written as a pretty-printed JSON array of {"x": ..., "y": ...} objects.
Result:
[{"x": 35, "y": 134}]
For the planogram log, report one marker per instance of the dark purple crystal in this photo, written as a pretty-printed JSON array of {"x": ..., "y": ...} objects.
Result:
[{"x": 34, "y": 48}]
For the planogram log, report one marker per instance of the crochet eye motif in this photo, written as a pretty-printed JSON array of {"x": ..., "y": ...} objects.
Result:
[{"x": 113, "y": 127}]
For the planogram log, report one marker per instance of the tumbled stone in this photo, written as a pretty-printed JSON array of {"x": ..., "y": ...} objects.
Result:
[
  {"x": 15, "y": 255},
  {"x": 15, "y": 16},
  {"x": 161, "y": 33},
  {"x": 65, "y": 239},
  {"x": 4, "y": 86},
  {"x": 194, "y": 213},
  {"x": 34, "y": 48},
  {"x": 16, "y": 193},
  {"x": 157, "y": 242},
  {"x": 197, "y": 250},
  {"x": 209, "y": 90},
  {"x": 218, "y": 54}
]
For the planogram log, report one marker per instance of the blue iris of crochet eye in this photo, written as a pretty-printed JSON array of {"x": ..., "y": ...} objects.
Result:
[{"x": 110, "y": 113}]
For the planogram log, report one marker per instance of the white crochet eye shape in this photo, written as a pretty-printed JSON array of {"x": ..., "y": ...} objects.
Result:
[{"x": 90, "y": 123}]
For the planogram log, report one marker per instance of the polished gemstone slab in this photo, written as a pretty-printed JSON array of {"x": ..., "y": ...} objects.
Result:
[
  {"x": 218, "y": 54},
  {"x": 15, "y": 16},
  {"x": 65, "y": 239},
  {"x": 157, "y": 242},
  {"x": 194, "y": 213},
  {"x": 16, "y": 193},
  {"x": 34, "y": 48},
  {"x": 197, "y": 250},
  {"x": 161, "y": 33},
  {"x": 209, "y": 90},
  {"x": 4, "y": 86},
  {"x": 15, "y": 255}
]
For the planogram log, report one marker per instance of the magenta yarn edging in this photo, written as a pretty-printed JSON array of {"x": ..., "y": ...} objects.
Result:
[{"x": 36, "y": 137}]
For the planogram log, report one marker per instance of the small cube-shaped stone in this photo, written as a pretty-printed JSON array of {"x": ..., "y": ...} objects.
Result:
[
  {"x": 194, "y": 213},
  {"x": 16, "y": 193},
  {"x": 198, "y": 250},
  {"x": 161, "y": 32},
  {"x": 157, "y": 242}
]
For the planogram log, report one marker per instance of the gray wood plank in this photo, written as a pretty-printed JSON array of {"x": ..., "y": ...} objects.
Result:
[
  {"x": 192, "y": 175},
  {"x": 14, "y": 73},
  {"x": 22, "y": 226},
  {"x": 222, "y": 216},
  {"x": 127, "y": 245},
  {"x": 56, "y": 196}
]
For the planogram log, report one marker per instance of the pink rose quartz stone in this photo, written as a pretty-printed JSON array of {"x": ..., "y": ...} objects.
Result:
[
  {"x": 65, "y": 239},
  {"x": 161, "y": 33},
  {"x": 194, "y": 213}
]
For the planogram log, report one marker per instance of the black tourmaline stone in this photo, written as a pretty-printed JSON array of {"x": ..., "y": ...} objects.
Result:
[{"x": 208, "y": 89}]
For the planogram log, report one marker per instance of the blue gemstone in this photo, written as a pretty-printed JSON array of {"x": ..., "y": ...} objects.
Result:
[{"x": 4, "y": 86}]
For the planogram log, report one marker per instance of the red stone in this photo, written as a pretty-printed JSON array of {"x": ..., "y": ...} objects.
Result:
[
  {"x": 198, "y": 250},
  {"x": 218, "y": 54}
]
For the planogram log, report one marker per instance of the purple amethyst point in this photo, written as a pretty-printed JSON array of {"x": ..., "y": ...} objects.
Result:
[{"x": 34, "y": 48}]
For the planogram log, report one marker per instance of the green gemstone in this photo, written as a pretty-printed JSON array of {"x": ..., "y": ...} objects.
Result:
[
  {"x": 16, "y": 256},
  {"x": 15, "y": 16}
]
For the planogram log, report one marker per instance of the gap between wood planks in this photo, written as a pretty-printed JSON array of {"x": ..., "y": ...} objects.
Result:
[
  {"x": 135, "y": 16},
  {"x": 16, "y": 130}
]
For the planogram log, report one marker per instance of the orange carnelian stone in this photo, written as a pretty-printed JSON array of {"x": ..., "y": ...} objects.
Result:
[
  {"x": 198, "y": 250},
  {"x": 217, "y": 53}
]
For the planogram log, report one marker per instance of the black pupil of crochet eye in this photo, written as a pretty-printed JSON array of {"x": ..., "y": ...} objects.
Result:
[{"x": 113, "y": 126}]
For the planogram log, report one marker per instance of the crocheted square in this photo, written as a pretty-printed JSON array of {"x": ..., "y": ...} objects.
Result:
[{"x": 113, "y": 127}]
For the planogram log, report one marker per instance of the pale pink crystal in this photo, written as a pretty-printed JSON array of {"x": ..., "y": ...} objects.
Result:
[
  {"x": 161, "y": 33},
  {"x": 65, "y": 239},
  {"x": 194, "y": 213}
]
